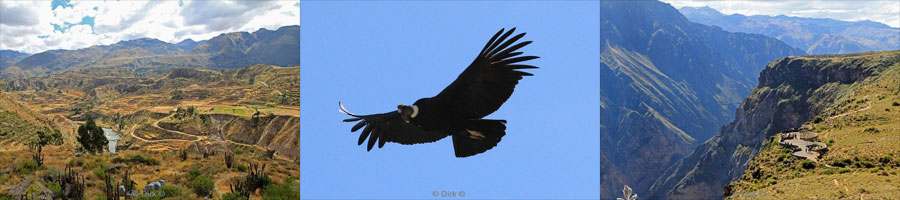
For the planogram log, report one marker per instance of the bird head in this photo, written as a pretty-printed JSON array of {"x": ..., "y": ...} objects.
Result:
[{"x": 407, "y": 112}]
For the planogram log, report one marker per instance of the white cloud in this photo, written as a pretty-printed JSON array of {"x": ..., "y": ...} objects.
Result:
[
  {"x": 887, "y": 12},
  {"x": 29, "y": 26}
]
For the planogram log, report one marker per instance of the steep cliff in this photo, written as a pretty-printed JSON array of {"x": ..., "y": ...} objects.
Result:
[
  {"x": 791, "y": 91},
  {"x": 861, "y": 135},
  {"x": 668, "y": 84}
]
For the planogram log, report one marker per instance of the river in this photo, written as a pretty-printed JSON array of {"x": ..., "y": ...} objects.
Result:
[{"x": 112, "y": 137}]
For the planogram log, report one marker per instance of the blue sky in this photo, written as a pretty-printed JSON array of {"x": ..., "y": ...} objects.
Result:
[
  {"x": 37, "y": 26},
  {"x": 373, "y": 56}
]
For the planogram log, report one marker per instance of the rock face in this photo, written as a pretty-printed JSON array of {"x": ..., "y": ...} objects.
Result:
[
  {"x": 153, "y": 186},
  {"x": 279, "y": 133},
  {"x": 20, "y": 191},
  {"x": 667, "y": 84},
  {"x": 815, "y": 36},
  {"x": 790, "y": 92}
]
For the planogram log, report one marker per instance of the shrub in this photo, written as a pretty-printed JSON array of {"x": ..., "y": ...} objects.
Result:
[
  {"x": 283, "y": 191},
  {"x": 807, "y": 164},
  {"x": 170, "y": 191},
  {"x": 76, "y": 162},
  {"x": 845, "y": 170},
  {"x": 99, "y": 172},
  {"x": 233, "y": 196},
  {"x": 872, "y": 130},
  {"x": 194, "y": 172},
  {"x": 828, "y": 171},
  {"x": 136, "y": 159},
  {"x": 885, "y": 160},
  {"x": 842, "y": 162},
  {"x": 54, "y": 186},
  {"x": 241, "y": 167},
  {"x": 238, "y": 152},
  {"x": 27, "y": 166},
  {"x": 212, "y": 170},
  {"x": 203, "y": 185},
  {"x": 867, "y": 164}
]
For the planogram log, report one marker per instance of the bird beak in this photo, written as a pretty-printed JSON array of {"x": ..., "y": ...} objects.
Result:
[{"x": 405, "y": 118}]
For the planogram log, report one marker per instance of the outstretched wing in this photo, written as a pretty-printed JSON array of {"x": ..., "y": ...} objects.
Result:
[
  {"x": 389, "y": 127},
  {"x": 489, "y": 81}
]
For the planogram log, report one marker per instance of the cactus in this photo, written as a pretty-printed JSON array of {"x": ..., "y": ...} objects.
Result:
[
  {"x": 112, "y": 189},
  {"x": 241, "y": 188},
  {"x": 229, "y": 159},
  {"x": 72, "y": 184},
  {"x": 183, "y": 155},
  {"x": 38, "y": 157}
]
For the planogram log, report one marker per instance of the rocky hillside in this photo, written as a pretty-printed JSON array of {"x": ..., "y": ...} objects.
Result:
[
  {"x": 861, "y": 135},
  {"x": 278, "y": 133},
  {"x": 815, "y": 36},
  {"x": 791, "y": 92},
  {"x": 668, "y": 84},
  {"x": 19, "y": 124}
]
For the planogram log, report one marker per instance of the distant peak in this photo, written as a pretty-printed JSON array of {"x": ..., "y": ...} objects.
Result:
[{"x": 705, "y": 10}]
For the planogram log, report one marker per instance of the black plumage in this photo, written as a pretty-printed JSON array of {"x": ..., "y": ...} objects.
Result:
[{"x": 457, "y": 110}]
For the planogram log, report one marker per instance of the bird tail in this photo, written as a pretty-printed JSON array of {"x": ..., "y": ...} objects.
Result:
[{"x": 480, "y": 136}]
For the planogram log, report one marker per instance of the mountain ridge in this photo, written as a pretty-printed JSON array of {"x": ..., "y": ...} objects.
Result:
[
  {"x": 813, "y": 35},
  {"x": 280, "y": 47}
]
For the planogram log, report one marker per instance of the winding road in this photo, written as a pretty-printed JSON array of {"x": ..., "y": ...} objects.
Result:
[
  {"x": 156, "y": 125},
  {"x": 198, "y": 137}
]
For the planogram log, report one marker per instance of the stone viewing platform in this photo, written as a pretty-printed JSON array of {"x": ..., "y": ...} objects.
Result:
[{"x": 803, "y": 143}]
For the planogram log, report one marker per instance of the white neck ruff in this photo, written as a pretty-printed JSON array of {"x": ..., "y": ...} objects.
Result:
[{"x": 415, "y": 111}]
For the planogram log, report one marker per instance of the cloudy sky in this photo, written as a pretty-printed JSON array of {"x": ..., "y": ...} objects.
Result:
[
  {"x": 34, "y": 27},
  {"x": 886, "y": 12}
]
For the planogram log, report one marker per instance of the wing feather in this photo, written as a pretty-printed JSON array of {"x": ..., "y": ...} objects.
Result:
[
  {"x": 357, "y": 126},
  {"x": 372, "y": 138},
  {"x": 390, "y": 127},
  {"x": 364, "y": 134},
  {"x": 490, "y": 80}
]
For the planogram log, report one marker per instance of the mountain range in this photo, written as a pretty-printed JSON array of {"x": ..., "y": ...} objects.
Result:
[
  {"x": 813, "y": 35},
  {"x": 667, "y": 85},
  {"x": 280, "y": 47}
]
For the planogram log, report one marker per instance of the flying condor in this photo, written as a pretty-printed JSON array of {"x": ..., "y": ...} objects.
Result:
[{"x": 458, "y": 110}]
